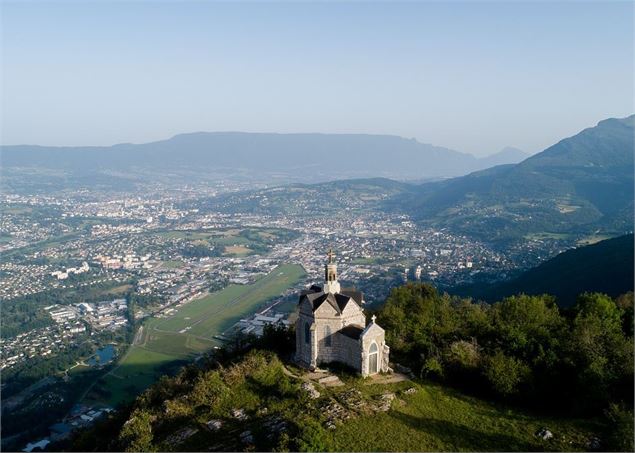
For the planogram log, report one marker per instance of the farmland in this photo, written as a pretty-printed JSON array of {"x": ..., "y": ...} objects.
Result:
[{"x": 234, "y": 241}]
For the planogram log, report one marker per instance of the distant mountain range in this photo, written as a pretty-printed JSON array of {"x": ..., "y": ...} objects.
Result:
[
  {"x": 605, "y": 267},
  {"x": 305, "y": 157},
  {"x": 580, "y": 183},
  {"x": 507, "y": 155}
]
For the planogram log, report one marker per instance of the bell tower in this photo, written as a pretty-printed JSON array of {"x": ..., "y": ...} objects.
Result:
[{"x": 331, "y": 285}]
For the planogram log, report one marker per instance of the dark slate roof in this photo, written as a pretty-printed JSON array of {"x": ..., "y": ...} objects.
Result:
[
  {"x": 352, "y": 331},
  {"x": 337, "y": 301}
]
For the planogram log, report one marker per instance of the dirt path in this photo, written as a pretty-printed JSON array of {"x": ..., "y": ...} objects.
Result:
[
  {"x": 387, "y": 378},
  {"x": 374, "y": 379}
]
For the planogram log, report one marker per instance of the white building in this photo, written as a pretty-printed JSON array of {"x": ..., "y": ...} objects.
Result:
[{"x": 331, "y": 327}]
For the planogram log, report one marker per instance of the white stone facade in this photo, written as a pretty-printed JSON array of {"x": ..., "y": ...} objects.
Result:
[{"x": 331, "y": 327}]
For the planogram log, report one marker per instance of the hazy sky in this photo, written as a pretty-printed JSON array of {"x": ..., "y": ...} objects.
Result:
[{"x": 470, "y": 76}]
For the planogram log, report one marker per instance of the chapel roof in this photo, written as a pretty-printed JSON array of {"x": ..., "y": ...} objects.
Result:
[
  {"x": 316, "y": 296},
  {"x": 337, "y": 301},
  {"x": 352, "y": 331},
  {"x": 371, "y": 328}
]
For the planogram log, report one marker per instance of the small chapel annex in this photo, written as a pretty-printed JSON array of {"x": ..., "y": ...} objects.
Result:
[{"x": 331, "y": 327}]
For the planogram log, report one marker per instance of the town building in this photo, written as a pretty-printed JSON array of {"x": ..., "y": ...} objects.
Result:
[{"x": 331, "y": 327}]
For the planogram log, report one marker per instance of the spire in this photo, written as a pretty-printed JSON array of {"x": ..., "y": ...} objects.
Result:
[{"x": 331, "y": 285}]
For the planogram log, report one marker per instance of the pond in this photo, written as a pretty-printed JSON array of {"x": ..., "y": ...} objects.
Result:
[{"x": 102, "y": 356}]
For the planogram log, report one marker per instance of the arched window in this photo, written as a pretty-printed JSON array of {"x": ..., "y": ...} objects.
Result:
[
  {"x": 373, "y": 356},
  {"x": 327, "y": 336},
  {"x": 307, "y": 333}
]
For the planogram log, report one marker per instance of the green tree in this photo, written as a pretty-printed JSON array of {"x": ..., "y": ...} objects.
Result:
[
  {"x": 473, "y": 318},
  {"x": 602, "y": 355},
  {"x": 528, "y": 327},
  {"x": 417, "y": 320},
  {"x": 505, "y": 374},
  {"x": 463, "y": 355},
  {"x": 625, "y": 305}
]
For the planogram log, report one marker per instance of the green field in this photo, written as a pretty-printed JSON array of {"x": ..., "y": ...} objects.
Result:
[
  {"x": 137, "y": 371},
  {"x": 234, "y": 241},
  {"x": 161, "y": 345},
  {"x": 547, "y": 235},
  {"x": 115, "y": 290},
  {"x": 172, "y": 264},
  {"x": 217, "y": 312},
  {"x": 594, "y": 239}
]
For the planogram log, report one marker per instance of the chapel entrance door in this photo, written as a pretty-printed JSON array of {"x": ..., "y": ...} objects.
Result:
[{"x": 373, "y": 355}]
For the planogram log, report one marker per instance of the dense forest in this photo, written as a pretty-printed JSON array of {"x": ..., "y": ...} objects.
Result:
[{"x": 523, "y": 349}]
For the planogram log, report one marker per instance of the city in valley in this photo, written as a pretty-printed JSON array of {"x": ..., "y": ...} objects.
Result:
[{"x": 89, "y": 273}]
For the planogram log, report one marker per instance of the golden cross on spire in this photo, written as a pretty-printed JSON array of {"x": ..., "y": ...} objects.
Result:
[{"x": 330, "y": 255}]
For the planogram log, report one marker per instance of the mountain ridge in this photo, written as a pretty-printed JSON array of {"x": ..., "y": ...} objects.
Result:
[
  {"x": 357, "y": 155},
  {"x": 583, "y": 181},
  {"x": 606, "y": 267},
  {"x": 506, "y": 155}
]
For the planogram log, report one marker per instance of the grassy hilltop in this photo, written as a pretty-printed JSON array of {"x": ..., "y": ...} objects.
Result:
[{"x": 280, "y": 415}]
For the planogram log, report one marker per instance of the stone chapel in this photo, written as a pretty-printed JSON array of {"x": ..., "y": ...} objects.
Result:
[{"x": 331, "y": 327}]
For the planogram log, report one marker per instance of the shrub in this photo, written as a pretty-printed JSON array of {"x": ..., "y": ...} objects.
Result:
[
  {"x": 463, "y": 354},
  {"x": 312, "y": 436},
  {"x": 432, "y": 367},
  {"x": 177, "y": 408},
  {"x": 505, "y": 374},
  {"x": 136, "y": 433},
  {"x": 208, "y": 389}
]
